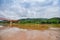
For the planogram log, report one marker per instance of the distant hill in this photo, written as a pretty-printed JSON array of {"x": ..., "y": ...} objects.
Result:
[{"x": 55, "y": 20}]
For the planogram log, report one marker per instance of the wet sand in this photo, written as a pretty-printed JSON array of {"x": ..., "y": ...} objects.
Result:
[{"x": 24, "y": 34}]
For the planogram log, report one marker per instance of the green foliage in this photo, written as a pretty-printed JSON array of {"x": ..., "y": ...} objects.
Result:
[
  {"x": 41, "y": 21},
  {"x": 55, "y": 20}
]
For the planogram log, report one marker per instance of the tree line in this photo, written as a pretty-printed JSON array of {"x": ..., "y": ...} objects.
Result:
[
  {"x": 55, "y": 20},
  {"x": 41, "y": 21}
]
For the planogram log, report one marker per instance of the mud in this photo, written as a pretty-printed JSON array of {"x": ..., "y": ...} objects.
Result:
[{"x": 24, "y": 34}]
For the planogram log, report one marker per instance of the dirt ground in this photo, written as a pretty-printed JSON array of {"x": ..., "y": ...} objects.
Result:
[{"x": 24, "y": 34}]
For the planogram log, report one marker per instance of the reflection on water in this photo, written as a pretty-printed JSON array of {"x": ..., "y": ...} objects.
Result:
[{"x": 24, "y": 34}]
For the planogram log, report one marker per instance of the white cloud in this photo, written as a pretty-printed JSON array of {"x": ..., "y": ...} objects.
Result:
[
  {"x": 52, "y": 12},
  {"x": 34, "y": 0},
  {"x": 30, "y": 9}
]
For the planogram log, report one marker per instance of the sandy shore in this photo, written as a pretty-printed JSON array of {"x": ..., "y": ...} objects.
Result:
[{"x": 24, "y": 34}]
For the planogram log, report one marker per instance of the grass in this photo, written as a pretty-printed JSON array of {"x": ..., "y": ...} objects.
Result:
[
  {"x": 32, "y": 26},
  {"x": 36, "y": 26},
  {"x": 55, "y": 25}
]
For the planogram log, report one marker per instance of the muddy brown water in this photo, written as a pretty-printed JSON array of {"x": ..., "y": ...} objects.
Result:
[{"x": 24, "y": 34}]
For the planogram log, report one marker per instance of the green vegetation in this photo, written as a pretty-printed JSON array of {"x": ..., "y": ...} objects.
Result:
[
  {"x": 35, "y": 23},
  {"x": 55, "y": 20},
  {"x": 36, "y": 26},
  {"x": 32, "y": 26},
  {"x": 40, "y": 21}
]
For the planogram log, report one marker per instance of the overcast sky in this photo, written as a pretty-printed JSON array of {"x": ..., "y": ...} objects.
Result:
[{"x": 17, "y": 9}]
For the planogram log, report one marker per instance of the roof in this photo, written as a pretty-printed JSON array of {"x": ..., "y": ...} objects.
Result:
[
  {"x": 7, "y": 19},
  {"x": 3, "y": 19}
]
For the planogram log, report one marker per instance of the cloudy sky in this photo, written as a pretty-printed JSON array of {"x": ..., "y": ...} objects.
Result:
[{"x": 17, "y": 9}]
